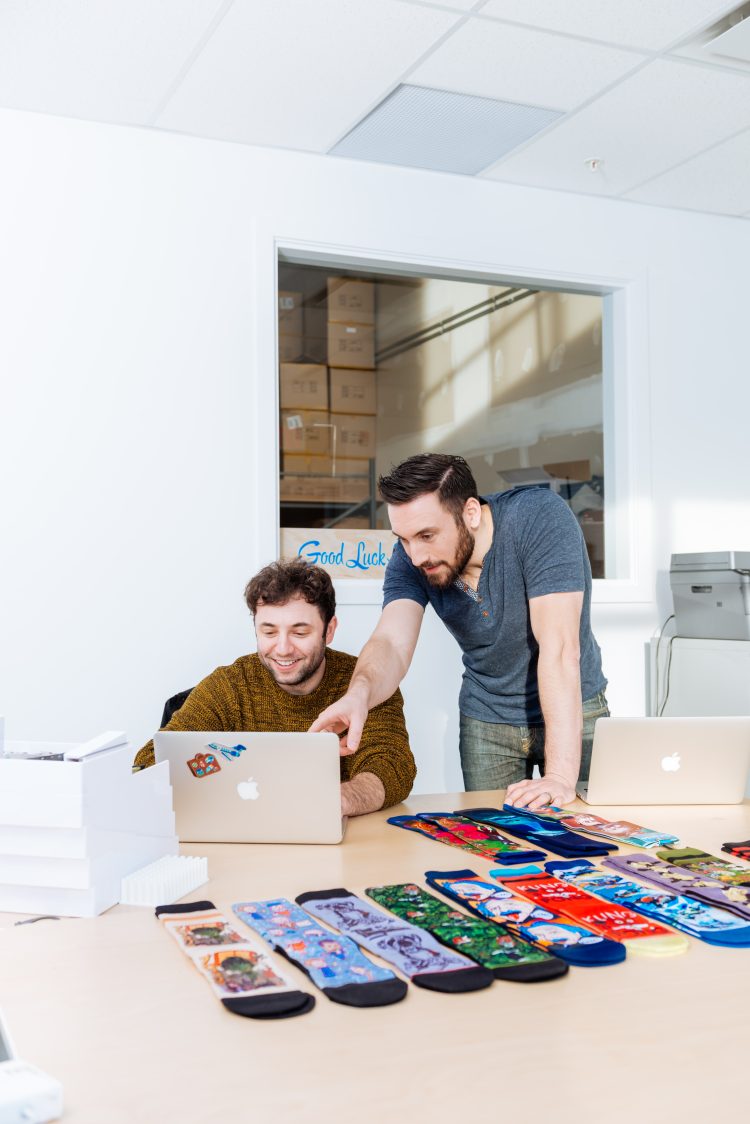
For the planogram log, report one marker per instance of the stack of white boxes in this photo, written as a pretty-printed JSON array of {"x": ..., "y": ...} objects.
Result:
[{"x": 70, "y": 830}]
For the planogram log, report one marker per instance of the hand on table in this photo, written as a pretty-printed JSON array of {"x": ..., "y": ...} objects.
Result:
[{"x": 540, "y": 793}]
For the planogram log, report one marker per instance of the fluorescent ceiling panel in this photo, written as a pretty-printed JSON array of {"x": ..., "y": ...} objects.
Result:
[
  {"x": 666, "y": 113},
  {"x": 441, "y": 130},
  {"x": 648, "y": 24},
  {"x": 517, "y": 64},
  {"x": 103, "y": 60},
  {"x": 299, "y": 73}
]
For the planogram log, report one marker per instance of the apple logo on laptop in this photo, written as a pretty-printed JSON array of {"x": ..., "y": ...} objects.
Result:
[
  {"x": 248, "y": 790},
  {"x": 671, "y": 764}
]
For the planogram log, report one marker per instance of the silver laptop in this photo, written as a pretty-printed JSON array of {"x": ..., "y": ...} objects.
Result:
[
  {"x": 668, "y": 761},
  {"x": 243, "y": 787}
]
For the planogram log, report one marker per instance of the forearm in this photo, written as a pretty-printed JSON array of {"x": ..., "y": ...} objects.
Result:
[
  {"x": 379, "y": 670},
  {"x": 362, "y": 794},
  {"x": 559, "y": 679}
]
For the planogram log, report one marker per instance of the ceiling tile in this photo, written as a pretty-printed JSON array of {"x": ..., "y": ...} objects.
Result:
[
  {"x": 461, "y": 5},
  {"x": 664, "y": 114},
  {"x": 298, "y": 73},
  {"x": 649, "y": 24},
  {"x": 103, "y": 61},
  {"x": 717, "y": 180},
  {"x": 495, "y": 60}
]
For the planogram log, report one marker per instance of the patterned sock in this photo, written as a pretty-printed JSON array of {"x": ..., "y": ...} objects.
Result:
[
  {"x": 616, "y": 831},
  {"x": 333, "y": 962},
  {"x": 441, "y": 835},
  {"x": 550, "y": 836},
  {"x": 488, "y": 840},
  {"x": 710, "y": 891},
  {"x": 741, "y": 850},
  {"x": 711, "y": 866},
  {"x": 544, "y": 928},
  {"x": 616, "y": 922},
  {"x": 240, "y": 973},
  {"x": 714, "y": 926},
  {"x": 488, "y": 943},
  {"x": 412, "y": 951}
]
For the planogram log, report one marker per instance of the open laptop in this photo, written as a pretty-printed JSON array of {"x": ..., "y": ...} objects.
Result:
[
  {"x": 668, "y": 761},
  {"x": 244, "y": 787}
]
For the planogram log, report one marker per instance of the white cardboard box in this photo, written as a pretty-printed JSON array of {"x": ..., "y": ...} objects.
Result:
[{"x": 70, "y": 830}]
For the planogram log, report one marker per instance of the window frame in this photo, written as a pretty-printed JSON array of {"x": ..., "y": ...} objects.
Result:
[{"x": 626, "y": 406}]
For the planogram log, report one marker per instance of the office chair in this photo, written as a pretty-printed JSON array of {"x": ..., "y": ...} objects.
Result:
[{"x": 171, "y": 706}]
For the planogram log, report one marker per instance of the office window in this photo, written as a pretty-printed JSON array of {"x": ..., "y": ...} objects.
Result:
[{"x": 375, "y": 367}]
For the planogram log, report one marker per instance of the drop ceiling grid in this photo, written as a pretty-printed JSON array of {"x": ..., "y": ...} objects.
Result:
[
  {"x": 516, "y": 64},
  {"x": 664, "y": 114},
  {"x": 332, "y": 60},
  {"x": 715, "y": 180},
  {"x": 646, "y": 24},
  {"x": 102, "y": 61}
]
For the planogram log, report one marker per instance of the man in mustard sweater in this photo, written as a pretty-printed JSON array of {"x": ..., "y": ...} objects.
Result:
[{"x": 292, "y": 678}]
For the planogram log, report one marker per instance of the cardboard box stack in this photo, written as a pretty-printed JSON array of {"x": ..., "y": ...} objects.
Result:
[
  {"x": 328, "y": 410},
  {"x": 291, "y": 327},
  {"x": 71, "y": 830}
]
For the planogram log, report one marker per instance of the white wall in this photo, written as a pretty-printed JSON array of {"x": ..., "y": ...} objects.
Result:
[{"x": 137, "y": 446}]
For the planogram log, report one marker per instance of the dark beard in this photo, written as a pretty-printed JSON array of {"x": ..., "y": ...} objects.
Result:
[{"x": 464, "y": 551}]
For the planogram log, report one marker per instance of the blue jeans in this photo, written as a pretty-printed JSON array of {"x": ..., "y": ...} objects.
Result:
[{"x": 494, "y": 755}]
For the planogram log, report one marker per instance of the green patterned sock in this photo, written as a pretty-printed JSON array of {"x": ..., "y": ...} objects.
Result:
[
  {"x": 489, "y": 944},
  {"x": 709, "y": 865}
]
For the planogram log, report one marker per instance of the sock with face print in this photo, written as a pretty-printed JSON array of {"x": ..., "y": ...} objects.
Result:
[
  {"x": 239, "y": 972},
  {"x": 616, "y": 922},
  {"x": 710, "y": 891},
  {"x": 411, "y": 950},
  {"x": 709, "y": 866},
  {"x": 714, "y": 926},
  {"x": 548, "y": 835},
  {"x": 332, "y": 961},
  {"x": 508, "y": 957},
  {"x": 547, "y": 929}
]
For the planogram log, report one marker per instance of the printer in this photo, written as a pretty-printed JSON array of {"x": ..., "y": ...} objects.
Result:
[{"x": 711, "y": 593}]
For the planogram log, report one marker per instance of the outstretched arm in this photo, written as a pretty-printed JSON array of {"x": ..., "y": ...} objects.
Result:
[
  {"x": 383, "y": 663},
  {"x": 555, "y": 621}
]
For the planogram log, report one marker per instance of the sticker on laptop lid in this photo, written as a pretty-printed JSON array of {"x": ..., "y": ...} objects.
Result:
[{"x": 203, "y": 765}]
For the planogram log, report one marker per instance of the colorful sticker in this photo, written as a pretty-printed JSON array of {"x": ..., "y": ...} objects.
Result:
[
  {"x": 228, "y": 752},
  {"x": 203, "y": 765}
]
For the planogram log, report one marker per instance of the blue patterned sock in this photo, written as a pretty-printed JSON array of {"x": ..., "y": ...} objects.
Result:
[
  {"x": 333, "y": 962},
  {"x": 548, "y": 930}
]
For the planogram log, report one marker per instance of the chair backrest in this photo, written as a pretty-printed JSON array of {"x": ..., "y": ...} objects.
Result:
[{"x": 171, "y": 706}]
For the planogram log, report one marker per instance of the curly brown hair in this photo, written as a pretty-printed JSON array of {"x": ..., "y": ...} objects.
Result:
[{"x": 280, "y": 581}]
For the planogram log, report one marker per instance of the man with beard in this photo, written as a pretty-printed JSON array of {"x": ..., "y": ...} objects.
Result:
[
  {"x": 509, "y": 576},
  {"x": 291, "y": 678}
]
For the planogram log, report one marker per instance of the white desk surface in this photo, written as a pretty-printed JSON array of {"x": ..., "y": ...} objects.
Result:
[{"x": 114, "y": 1010}]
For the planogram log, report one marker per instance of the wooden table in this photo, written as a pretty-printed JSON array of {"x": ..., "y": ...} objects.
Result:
[{"x": 113, "y": 1009}]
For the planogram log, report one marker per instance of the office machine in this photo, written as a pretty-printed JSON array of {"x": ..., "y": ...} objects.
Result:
[{"x": 711, "y": 593}]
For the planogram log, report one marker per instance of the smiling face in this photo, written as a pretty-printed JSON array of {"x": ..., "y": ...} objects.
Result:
[
  {"x": 438, "y": 544},
  {"x": 292, "y": 642}
]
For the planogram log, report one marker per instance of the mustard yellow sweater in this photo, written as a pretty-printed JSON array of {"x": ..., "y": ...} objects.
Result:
[{"x": 244, "y": 696}]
